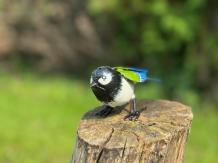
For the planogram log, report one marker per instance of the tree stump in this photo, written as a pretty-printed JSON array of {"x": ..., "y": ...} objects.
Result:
[{"x": 159, "y": 135}]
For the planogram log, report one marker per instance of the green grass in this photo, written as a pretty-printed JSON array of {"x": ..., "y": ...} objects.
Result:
[
  {"x": 203, "y": 141},
  {"x": 39, "y": 117}
]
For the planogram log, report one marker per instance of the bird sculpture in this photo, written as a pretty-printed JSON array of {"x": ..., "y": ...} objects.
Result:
[{"x": 114, "y": 87}]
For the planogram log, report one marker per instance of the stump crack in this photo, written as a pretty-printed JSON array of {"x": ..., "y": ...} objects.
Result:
[
  {"x": 137, "y": 136},
  {"x": 141, "y": 154},
  {"x": 104, "y": 144},
  {"x": 124, "y": 148}
]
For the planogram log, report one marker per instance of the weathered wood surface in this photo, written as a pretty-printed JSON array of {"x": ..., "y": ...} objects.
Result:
[{"x": 159, "y": 135}]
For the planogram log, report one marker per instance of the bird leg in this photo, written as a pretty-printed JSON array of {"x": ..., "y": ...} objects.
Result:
[
  {"x": 105, "y": 111},
  {"x": 134, "y": 113}
]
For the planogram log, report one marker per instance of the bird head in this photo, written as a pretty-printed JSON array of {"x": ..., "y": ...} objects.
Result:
[{"x": 101, "y": 77}]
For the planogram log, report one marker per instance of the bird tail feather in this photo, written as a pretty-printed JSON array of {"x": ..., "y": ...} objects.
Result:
[{"x": 154, "y": 79}]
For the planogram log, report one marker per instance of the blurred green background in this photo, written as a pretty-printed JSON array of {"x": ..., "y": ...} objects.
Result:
[{"x": 49, "y": 48}]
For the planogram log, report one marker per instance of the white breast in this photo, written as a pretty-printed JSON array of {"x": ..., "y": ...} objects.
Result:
[{"x": 125, "y": 94}]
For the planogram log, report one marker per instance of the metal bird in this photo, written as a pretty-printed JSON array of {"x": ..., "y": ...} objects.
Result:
[{"x": 114, "y": 86}]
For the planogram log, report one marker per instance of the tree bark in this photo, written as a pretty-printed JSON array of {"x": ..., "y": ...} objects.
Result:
[{"x": 159, "y": 135}]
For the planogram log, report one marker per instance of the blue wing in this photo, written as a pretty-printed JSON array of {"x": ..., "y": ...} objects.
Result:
[
  {"x": 135, "y": 74},
  {"x": 143, "y": 73}
]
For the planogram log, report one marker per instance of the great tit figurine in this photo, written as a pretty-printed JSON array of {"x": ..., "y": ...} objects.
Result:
[{"x": 114, "y": 87}]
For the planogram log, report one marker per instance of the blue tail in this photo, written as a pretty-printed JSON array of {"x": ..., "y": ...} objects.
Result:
[{"x": 154, "y": 79}]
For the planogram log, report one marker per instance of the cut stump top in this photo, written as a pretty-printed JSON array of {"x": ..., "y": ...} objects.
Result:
[{"x": 159, "y": 120}]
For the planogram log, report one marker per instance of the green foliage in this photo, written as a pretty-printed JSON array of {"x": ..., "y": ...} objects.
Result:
[
  {"x": 40, "y": 116},
  {"x": 152, "y": 27}
]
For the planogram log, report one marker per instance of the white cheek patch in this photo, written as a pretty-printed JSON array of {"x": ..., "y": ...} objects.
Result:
[{"x": 105, "y": 79}]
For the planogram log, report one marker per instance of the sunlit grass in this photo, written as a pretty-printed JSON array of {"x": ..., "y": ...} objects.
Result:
[
  {"x": 39, "y": 117},
  {"x": 203, "y": 144}
]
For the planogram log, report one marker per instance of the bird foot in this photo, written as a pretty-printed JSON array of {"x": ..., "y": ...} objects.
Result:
[
  {"x": 133, "y": 116},
  {"x": 105, "y": 111}
]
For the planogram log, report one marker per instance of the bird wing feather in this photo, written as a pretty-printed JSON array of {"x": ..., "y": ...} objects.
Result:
[{"x": 137, "y": 75}]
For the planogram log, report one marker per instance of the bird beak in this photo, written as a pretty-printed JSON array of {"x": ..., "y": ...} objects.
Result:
[{"x": 93, "y": 84}]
